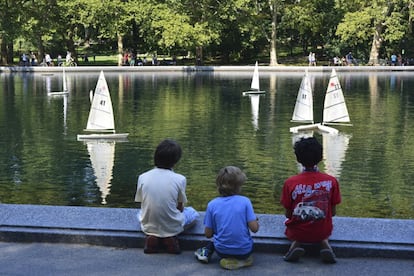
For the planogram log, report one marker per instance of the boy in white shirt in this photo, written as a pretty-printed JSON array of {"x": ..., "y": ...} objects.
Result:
[{"x": 161, "y": 193}]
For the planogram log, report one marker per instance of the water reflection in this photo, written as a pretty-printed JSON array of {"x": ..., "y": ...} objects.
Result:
[
  {"x": 42, "y": 163},
  {"x": 102, "y": 156},
  {"x": 334, "y": 149},
  {"x": 255, "y": 101},
  {"x": 334, "y": 152}
]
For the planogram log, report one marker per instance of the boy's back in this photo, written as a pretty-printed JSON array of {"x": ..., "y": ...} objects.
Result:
[{"x": 311, "y": 196}]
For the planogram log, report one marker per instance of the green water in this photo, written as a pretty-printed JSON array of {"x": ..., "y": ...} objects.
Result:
[{"x": 41, "y": 162}]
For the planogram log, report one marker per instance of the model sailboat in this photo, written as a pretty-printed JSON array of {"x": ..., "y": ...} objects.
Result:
[
  {"x": 334, "y": 112},
  {"x": 101, "y": 115},
  {"x": 255, "y": 85},
  {"x": 64, "y": 87}
]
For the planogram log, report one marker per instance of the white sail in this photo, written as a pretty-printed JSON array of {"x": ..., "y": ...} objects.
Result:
[
  {"x": 102, "y": 155},
  {"x": 255, "y": 80},
  {"x": 335, "y": 110},
  {"x": 101, "y": 115},
  {"x": 303, "y": 111},
  {"x": 334, "y": 151},
  {"x": 255, "y": 101}
]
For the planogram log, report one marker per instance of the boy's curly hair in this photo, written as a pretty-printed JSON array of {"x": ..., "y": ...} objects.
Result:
[
  {"x": 308, "y": 151},
  {"x": 229, "y": 181}
]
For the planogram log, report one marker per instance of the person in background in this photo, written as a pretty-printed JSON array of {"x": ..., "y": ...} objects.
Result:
[
  {"x": 229, "y": 219},
  {"x": 310, "y": 200},
  {"x": 161, "y": 194}
]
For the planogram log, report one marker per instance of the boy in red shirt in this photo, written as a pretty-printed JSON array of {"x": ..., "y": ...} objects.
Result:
[{"x": 310, "y": 200}]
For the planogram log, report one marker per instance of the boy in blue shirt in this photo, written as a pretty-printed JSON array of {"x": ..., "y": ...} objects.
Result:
[{"x": 229, "y": 220}]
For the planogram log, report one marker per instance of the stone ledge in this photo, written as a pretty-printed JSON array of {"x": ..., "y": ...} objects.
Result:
[{"x": 119, "y": 227}]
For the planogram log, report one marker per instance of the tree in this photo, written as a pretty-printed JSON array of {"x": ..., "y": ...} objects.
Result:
[{"x": 378, "y": 21}]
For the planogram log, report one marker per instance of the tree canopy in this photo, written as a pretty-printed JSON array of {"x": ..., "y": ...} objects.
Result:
[{"x": 222, "y": 31}]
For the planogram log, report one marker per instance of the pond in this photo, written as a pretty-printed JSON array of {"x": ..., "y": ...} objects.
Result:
[{"x": 41, "y": 161}]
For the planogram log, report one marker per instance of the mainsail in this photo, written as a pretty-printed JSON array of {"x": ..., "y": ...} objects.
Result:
[
  {"x": 335, "y": 110},
  {"x": 255, "y": 80},
  {"x": 101, "y": 115},
  {"x": 303, "y": 111}
]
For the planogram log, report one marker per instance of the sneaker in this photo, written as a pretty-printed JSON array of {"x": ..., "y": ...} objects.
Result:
[
  {"x": 152, "y": 245},
  {"x": 328, "y": 256},
  {"x": 232, "y": 263},
  {"x": 171, "y": 245},
  {"x": 202, "y": 254},
  {"x": 294, "y": 254}
]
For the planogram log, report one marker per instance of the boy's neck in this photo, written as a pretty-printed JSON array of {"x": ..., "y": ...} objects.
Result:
[{"x": 311, "y": 169}]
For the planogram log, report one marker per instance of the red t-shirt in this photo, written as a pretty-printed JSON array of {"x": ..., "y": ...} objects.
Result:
[{"x": 310, "y": 196}]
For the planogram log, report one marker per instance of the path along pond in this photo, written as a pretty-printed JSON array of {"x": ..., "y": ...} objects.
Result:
[{"x": 41, "y": 161}]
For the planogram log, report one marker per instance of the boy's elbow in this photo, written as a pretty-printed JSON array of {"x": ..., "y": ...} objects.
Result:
[{"x": 254, "y": 226}]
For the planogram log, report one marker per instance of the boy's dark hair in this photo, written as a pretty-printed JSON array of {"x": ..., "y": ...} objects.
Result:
[
  {"x": 229, "y": 181},
  {"x": 308, "y": 151},
  {"x": 167, "y": 154}
]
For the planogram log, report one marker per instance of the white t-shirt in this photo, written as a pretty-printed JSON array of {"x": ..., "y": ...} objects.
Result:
[{"x": 159, "y": 191}]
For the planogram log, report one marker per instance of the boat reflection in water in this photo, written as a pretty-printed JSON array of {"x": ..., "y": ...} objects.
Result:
[
  {"x": 102, "y": 156},
  {"x": 255, "y": 100},
  {"x": 334, "y": 151}
]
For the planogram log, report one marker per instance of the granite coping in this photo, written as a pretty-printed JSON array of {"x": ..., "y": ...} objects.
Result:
[
  {"x": 120, "y": 227},
  {"x": 186, "y": 69}
]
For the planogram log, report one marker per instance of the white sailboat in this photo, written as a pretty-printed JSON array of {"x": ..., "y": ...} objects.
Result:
[
  {"x": 334, "y": 112},
  {"x": 255, "y": 85},
  {"x": 101, "y": 115},
  {"x": 102, "y": 156},
  {"x": 64, "y": 91}
]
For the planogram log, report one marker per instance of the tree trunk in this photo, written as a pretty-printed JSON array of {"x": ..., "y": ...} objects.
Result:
[
  {"x": 273, "y": 36},
  {"x": 3, "y": 52},
  {"x": 10, "y": 51},
  {"x": 120, "y": 49},
  {"x": 376, "y": 45}
]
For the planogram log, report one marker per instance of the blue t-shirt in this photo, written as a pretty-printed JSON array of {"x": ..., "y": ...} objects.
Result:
[{"x": 228, "y": 217}]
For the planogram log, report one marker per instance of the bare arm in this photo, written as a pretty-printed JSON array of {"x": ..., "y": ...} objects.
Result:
[
  {"x": 180, "y": 206},
  {"x": 208, "y": 232},
  {"x": 288, "y": 213},
  {"x": 253, "y": 225}
]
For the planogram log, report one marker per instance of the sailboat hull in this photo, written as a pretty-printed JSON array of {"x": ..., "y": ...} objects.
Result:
[
  {"x": 246, "y": 93},
  {"x": 317, "y": 127},
  {"x": 103, "y": 136},
  {"x": 58, "y": 93}
]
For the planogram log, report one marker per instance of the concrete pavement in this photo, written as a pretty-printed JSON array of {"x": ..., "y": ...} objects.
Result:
[
  {"x": 59, "y": 240},
  {"x": 74, "y": 259}
]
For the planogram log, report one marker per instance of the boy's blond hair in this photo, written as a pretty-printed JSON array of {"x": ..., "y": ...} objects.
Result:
[{"x": 229, "y": 181}]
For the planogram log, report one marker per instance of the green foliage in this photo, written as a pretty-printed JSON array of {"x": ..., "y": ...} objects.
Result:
[{"x": 232, "y": 29}]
